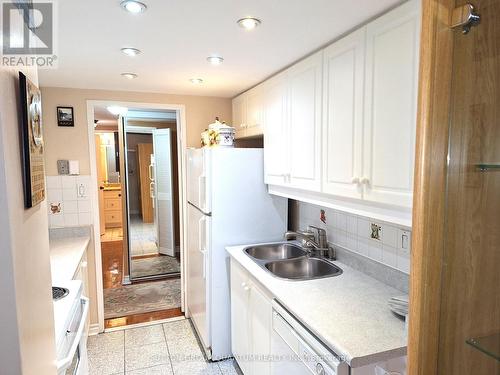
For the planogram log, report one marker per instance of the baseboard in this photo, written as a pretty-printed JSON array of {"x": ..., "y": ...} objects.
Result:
[
  {"x": 126, "y": 280},
  {"x": 94, "y": 329}
]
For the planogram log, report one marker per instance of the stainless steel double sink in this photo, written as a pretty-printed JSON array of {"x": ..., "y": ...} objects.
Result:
[{"x": 290, "y": 261}]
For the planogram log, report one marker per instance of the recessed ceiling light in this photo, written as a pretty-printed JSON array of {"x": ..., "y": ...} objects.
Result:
[
  {"x": 129, "y": 51},
  {"x": 215, "y": 60},
  {"x": 117, "y": 110},
  {"x": 133, "y": 6},
  {"x": 249, "y": 23},
  {"x": 129, "y": 75},
  {"x": 196, "y": 81}
]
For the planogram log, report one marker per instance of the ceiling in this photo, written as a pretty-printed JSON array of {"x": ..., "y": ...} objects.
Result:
[{"x": 176, "y": 37}]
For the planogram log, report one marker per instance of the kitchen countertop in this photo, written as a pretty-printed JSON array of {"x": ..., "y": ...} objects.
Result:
[
  {"x": 348, "y": 313},
  {"x": 65, "y": 256}
]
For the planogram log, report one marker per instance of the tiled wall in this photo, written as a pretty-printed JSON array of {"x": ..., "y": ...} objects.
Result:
[
  {"x": 354, "y": 233},
  {"x": 68, "y": 201}
]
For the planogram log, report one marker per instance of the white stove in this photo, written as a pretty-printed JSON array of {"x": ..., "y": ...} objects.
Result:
[{"x": 70, "y": 316}]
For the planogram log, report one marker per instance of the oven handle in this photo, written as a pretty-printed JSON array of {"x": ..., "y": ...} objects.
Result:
[{"x": 66, "y": 361}]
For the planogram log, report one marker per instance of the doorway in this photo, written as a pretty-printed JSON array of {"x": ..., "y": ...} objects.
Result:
[
  {"x": 139, "y": 175},
  {"x": 153, "y": 199}
]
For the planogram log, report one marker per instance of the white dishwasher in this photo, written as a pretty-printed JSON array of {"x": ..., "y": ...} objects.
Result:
[{"x": 295, "y": 351}]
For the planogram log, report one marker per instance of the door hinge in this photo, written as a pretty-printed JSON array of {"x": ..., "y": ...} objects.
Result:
[{"x": 465, "y": 17}]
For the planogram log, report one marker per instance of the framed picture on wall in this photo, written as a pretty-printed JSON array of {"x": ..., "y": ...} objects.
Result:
[
  {"x": 65, "y": 116},
  {"x": 32, "y": 142}
]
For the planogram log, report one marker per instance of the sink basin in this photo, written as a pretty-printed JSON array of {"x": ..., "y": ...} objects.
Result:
[
  {"x": 303, "y": 268},
  {"x": 278, "y": 251}
]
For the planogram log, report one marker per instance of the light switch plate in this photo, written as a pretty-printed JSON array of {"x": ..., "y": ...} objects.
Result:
[{"x": 63, "y": 166}]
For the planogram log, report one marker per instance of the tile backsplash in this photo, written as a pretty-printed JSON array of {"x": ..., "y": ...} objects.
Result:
[
  {"x": 68, "y": 201},
  {"x": 382, "y": 242}
]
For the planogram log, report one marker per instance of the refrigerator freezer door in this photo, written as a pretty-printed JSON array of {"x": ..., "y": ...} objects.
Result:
[
  {"x": 198, "y": 280},
  {"x": 198, "y": 178}
]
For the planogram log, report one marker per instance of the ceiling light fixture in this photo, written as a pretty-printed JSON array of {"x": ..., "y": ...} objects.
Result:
[
  {"x": 133, "y": 6},
  {"x": 196, "y": 81},
  {"x": 117, "y": 110},
  {"x": 215, "y": 60},
  {"x": 129, "y": 75},
  {"x": 129, "y": 51},
  {"x": 249, "y": 23}
]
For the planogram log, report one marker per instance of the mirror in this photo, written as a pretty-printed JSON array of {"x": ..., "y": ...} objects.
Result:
[
  {"x": 152, "y": 196},
  {"x": 110, "y": 163}
]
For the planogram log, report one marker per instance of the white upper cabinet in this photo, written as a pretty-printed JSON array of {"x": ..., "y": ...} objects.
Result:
[
  {"x": 240, "y": 114},
  {"x": 343, "y": 79},
  {"x": 255, "y": 112},
  {"x": 305, "y": 80},
  {"x": 392, "y": 56},
  {"x": 275, "y": 131}
]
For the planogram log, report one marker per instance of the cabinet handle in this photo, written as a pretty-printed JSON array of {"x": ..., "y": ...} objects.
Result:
[
  {"x": 365, "y": 181},
  {"x": 355, "y": 180}
]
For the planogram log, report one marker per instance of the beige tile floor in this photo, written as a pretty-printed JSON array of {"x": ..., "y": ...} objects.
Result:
[{"x": 161, "y": 349}]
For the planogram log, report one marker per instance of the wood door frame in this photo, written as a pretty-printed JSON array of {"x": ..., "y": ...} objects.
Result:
[
  {"x": 429, "y": 198},
  {"x": 181, "y": 160}
]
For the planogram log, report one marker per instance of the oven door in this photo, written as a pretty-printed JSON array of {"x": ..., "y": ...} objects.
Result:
[{"x": 72, "y": 357}]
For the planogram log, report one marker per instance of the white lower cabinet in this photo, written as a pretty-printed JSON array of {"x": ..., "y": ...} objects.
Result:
[{"x": 251, "y": 322}]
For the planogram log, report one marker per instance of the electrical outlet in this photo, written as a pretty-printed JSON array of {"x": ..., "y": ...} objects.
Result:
[
  {"x": 63, "y": 166},
  {"x": 405, "y": 239},
  {"x": 376, "y": 231}
]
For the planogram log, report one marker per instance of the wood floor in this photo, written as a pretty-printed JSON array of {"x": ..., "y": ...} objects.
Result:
[
  {"x": 142, "y": 318},
  {"x": 112, "y": 266}
]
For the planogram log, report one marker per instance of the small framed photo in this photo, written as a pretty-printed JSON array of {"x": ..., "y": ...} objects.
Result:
[{"x": 65, "y": 116}]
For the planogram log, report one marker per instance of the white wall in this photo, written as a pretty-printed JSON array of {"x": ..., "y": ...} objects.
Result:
[{"x": 27, "y": 343}]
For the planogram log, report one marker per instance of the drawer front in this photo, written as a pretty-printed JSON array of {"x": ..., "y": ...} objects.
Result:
[
  {"x": 113, "y": 217},
  {"x": 113, "y": 204},
  {"x": 112, "y": 194}
]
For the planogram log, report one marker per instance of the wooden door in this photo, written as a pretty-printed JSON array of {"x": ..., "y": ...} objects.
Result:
[
  {"x": 470, "y": 306},
  {"x": 275, "y": 131},
  {"x": 343, "y": 80},
  {"x": 392, "y": 51},
  {"x": 144, "y": 152},
  {"x": 304, "y": 111},
  {"x": 454, "y": 289}
]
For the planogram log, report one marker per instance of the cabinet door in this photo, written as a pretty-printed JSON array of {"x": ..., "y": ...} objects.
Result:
[
  {"x": 343, "y": 79},
  {"x": 260, "y": 328},
  {"x": 255, "y": 112},
  {"x": 305, "y": 80},
  {"x": 240, "y": 340},
  {"x": 240, "y": 115},
  {"x": 275, "y": 131},
  {"x": 392, "y": 51}
]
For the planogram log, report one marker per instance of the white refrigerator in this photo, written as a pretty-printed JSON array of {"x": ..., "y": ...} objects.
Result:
[{"x": 228, "y": 204}]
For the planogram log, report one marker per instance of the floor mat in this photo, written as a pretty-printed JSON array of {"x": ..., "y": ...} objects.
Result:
[
  {"x": 153, "y": 266},
  {"x": 141, "y": 298}
]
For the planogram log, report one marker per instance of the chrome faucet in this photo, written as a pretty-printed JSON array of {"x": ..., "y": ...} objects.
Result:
[{"x": 309, "y": 242}]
